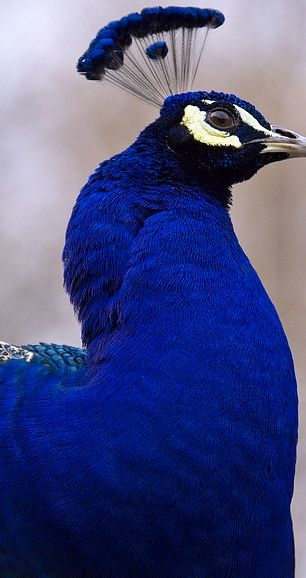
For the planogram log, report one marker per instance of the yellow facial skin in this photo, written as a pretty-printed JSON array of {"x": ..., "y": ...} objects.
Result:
[{"x": 194, "y": 121}]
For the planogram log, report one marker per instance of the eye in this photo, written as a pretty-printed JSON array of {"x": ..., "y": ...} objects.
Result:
[{"x": 221, "y": 119}]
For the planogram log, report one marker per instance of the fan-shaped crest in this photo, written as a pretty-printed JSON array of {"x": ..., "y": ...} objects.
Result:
[{"x": 151, "y": 54}]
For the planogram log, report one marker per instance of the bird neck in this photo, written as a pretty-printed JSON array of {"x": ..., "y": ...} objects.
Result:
[
  {"x": 135, "y": 210},
  {"x": 149, "y": 163}
]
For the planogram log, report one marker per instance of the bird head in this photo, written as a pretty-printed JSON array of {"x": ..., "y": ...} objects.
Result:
[
  {"x": 220, "y": 136},
  {"x": 156, "y": 53}
]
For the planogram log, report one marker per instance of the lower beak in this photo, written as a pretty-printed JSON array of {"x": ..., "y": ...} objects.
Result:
[{"x": 284, "y": 141}]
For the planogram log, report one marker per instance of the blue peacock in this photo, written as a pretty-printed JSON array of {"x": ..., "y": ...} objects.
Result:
[{"x": 166, "y": 447}]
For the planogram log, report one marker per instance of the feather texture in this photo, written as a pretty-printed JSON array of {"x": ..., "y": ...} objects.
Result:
[
  {"x": 165, "y": 448},
  {"x": 49, "y": 354},
  {"x": 152, "y": 54}
]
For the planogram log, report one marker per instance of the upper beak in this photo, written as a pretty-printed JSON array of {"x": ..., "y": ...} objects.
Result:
[{"x": 284, "y": 141}]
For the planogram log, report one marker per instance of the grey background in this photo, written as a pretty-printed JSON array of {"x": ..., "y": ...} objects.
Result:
[{"x": 56, "y": 127}]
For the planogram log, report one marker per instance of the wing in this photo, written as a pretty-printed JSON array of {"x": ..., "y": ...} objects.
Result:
[{"x": 61, "y": 357}]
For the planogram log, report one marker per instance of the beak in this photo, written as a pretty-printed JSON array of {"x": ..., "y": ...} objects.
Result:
[{"x": 284, "y": 141}]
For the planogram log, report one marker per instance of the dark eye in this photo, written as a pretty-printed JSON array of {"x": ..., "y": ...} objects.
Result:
[{"x": 221, "y": 119}]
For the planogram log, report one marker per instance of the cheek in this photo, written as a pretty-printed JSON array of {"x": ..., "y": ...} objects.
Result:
[
  {"x": 223, "y": 158},
  {"x": 227, "y": 159},
  {"x": 233, "y": 160}
]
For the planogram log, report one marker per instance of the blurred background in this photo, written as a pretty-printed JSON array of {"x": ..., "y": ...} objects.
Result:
[{"x": 56, "y": 127}]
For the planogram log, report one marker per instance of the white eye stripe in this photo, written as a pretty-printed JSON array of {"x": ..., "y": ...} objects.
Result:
[
  {"x": 252, "y": 122},
  {"x": 247, "y": 118},
  {"x": 194, "y": 120}
]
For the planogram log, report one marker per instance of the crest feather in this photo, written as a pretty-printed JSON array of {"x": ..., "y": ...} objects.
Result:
[{"x": 151, "y": 54}]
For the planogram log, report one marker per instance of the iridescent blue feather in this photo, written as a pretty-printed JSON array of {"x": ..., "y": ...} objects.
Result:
[
  {"x": 166, "y": 447},
  {"x": 151, "y": 54}
]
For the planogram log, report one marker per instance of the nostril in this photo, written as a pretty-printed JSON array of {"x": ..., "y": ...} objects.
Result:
[{"x": 285, "y": 133}]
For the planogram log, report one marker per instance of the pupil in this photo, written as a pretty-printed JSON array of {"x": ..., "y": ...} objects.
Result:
[{"x": 221, "y": 118}]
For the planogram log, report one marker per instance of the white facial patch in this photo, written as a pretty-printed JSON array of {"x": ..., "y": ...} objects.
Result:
[{"x": 202, "y": 131}]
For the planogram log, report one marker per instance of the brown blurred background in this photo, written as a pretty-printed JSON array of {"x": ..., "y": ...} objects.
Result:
[{"x": 56, "y": 127}]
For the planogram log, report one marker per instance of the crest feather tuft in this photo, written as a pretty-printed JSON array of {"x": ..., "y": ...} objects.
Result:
[{"x": 151, "y": 54}]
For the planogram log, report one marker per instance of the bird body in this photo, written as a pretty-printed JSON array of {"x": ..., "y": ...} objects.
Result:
[{"x": 171, "y": 451}]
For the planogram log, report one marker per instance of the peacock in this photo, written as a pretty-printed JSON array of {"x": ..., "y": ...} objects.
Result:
[{"x": 166, "y": 447}]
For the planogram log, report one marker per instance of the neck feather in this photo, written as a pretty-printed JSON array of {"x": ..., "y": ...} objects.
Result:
[{"x": 112, "y": 209}]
